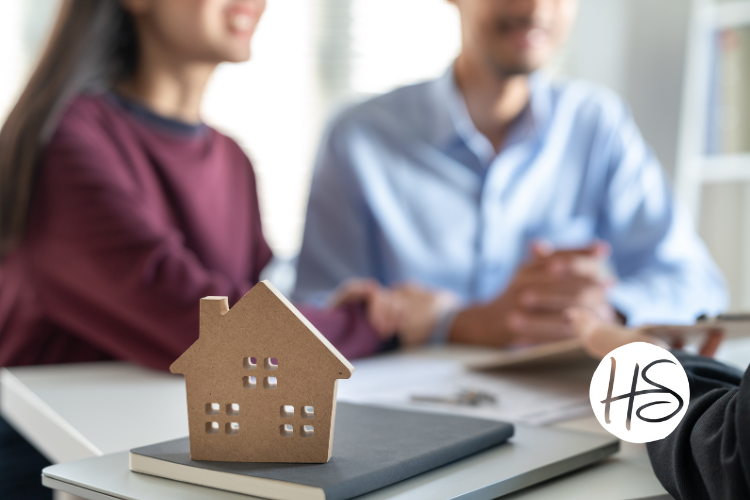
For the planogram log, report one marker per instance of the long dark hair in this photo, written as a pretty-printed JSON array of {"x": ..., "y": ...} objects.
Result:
[{"x": 92, "y": 45}]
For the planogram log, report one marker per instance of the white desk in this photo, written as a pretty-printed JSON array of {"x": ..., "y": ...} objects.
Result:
[{"x": 71, "y": 412}]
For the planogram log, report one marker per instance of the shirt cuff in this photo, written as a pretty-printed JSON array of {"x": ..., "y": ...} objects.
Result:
[{"x": 442, "y": 329}]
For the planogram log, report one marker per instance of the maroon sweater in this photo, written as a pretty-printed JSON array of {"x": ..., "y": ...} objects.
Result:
[{"x": 133, "y": 221}]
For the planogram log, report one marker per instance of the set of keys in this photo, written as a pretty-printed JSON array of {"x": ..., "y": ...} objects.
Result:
[{"x": 465, "y": 397}]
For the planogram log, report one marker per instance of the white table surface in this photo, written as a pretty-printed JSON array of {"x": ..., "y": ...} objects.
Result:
[
  {"x": 483, "y": 476},
  {"x": 78, "y": 411}
]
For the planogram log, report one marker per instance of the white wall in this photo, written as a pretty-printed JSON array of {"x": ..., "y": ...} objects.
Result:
[{"x": 24, "y": 26}]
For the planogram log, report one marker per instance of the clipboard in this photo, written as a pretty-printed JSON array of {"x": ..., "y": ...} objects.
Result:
[{"x": 733, "y": 325}]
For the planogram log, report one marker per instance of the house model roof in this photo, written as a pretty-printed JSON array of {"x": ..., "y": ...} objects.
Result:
[{"x": 270, "y": 300}]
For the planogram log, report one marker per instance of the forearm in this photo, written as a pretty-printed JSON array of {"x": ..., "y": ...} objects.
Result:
[
  {"x": 708, "y": 455},
  {"x": 478, "y": 324}
]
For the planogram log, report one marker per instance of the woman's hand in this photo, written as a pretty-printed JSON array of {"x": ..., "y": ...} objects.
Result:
[
  {"x": 384, "y": 309},
  {"x": 409, "y": 310},
  {"x": 422, "y": 309},
  {"x": 600, "y": 337}
]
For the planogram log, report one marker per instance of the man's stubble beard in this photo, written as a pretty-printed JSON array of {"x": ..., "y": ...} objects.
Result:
[{"x": 508, "y": 70}]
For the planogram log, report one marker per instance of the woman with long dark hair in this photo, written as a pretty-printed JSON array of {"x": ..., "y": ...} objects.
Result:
[{"x": 120, "y": 209}]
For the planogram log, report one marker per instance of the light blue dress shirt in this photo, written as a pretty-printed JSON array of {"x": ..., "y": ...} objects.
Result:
[{"x": 407, "y": 189}]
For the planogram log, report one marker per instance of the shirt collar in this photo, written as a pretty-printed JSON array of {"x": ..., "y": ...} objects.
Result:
[{"x": 454, "y": 125}]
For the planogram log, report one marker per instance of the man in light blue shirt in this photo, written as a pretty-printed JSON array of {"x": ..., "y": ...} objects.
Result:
[{"x": 499, "y": 184}]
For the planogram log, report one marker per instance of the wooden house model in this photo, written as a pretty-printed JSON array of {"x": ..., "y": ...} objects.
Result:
[{"x": 261, "y": 382}]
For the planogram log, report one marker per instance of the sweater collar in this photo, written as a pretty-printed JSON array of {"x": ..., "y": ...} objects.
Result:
[{"x": 147, "y": 116}]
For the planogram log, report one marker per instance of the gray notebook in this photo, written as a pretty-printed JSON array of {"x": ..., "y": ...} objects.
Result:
[{"x": 372, "y": 448}]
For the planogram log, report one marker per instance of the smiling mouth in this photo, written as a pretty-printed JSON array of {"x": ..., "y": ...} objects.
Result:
[
  {"x": 536, "y": 36},
  {"x": 240, "y": 22},
  {"x": 524, "y": 33},
  {"x": 523, "y": 29}
]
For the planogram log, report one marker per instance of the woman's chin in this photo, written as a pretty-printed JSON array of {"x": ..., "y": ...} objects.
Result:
[{"x": 238, "y": 52}]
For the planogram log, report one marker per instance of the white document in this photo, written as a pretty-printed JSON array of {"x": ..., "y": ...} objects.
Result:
[{"x": 531, "y": 397}]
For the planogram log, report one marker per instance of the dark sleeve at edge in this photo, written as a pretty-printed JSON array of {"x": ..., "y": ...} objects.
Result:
[{"x": 708, "y": 455}]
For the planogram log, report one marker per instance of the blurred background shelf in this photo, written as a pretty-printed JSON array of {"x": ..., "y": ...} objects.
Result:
[
  {"x": 712, "y": 172},
  {"x": 730, "y": 13},
  {"x": 726, "y": 168}
]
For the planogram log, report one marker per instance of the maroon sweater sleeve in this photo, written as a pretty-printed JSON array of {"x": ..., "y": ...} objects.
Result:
[
  {"x": 120, "y": 278},
  {"x": 347, "y": 329},
  {"x": 107, "y": 269}
]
